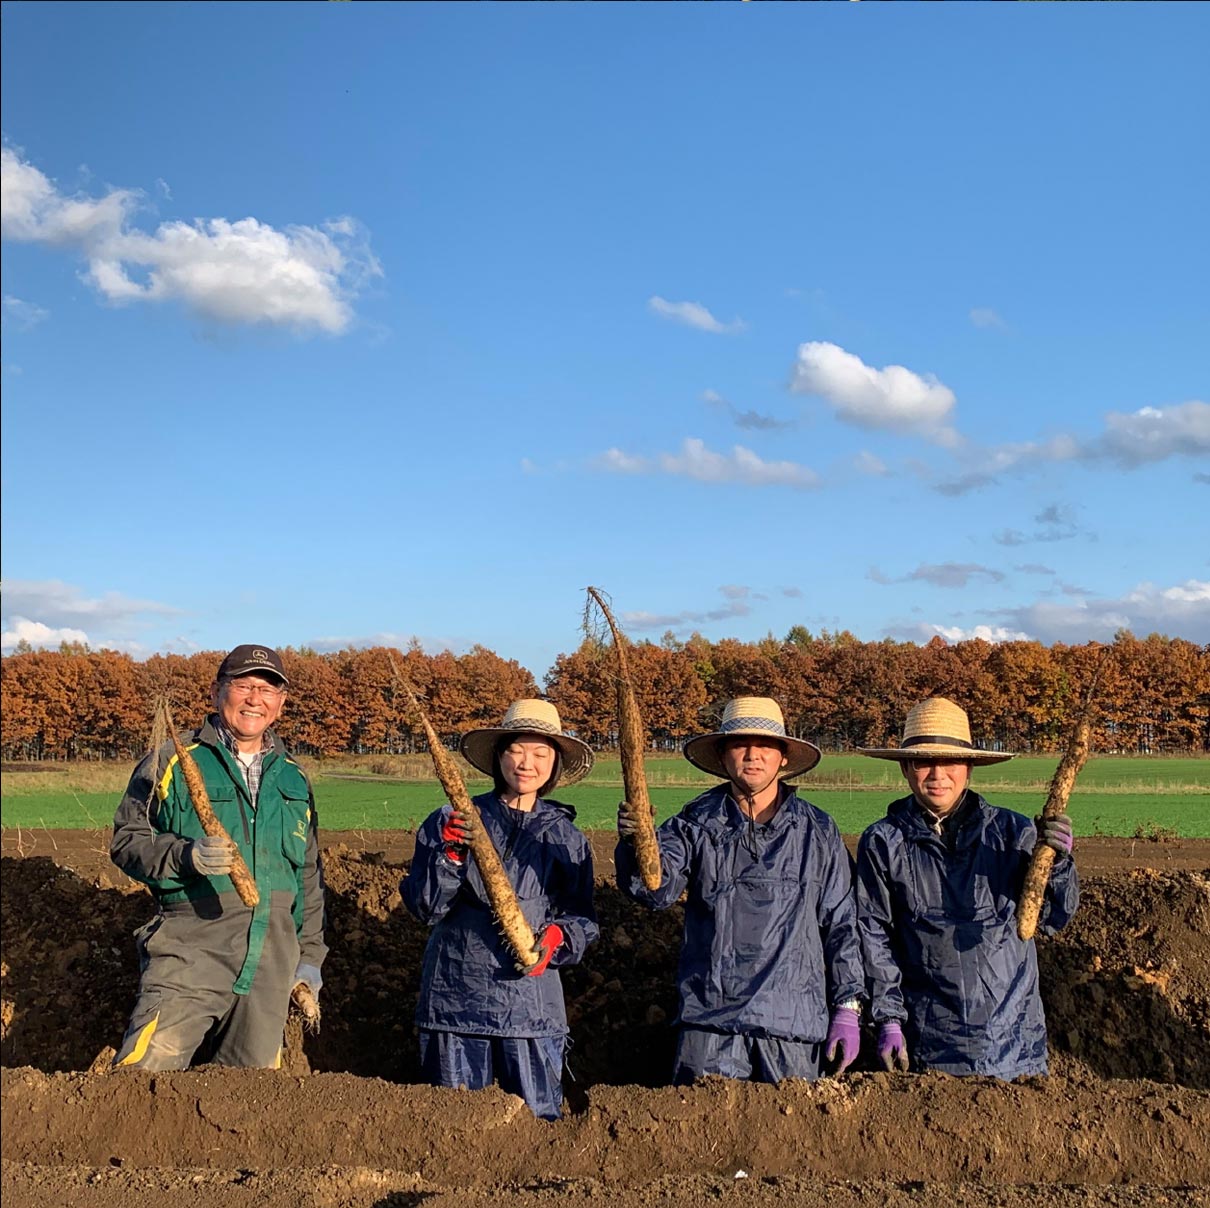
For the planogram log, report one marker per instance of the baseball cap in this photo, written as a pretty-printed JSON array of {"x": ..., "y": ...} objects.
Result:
[{"x": 252, "y": 660}]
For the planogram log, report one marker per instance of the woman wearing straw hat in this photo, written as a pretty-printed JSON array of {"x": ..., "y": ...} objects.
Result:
[
  {"x": 952, "y": 986},
  {"x": 770, "y": 973},
  {"x": 481, "y": 1018}
]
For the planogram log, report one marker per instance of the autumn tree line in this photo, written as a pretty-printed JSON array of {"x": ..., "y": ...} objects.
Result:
[{"x": 839, "y": 692}]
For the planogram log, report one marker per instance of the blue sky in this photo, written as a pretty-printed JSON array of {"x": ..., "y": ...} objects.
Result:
[{"x": 338, "y": 324}]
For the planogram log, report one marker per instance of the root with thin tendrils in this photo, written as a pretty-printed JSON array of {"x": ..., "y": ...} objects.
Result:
[
  {"x": 241, "y": 878},
  {"x": 632, "y": 743},
  {"x": 501, "y": 896},
  {"x": 302, "y": 998},
  {"x": 1043, "y": 858}
]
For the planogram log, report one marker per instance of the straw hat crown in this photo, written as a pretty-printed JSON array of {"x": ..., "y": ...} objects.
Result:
[
  {"x": 937, "y": 729},
  {"x": 756, "y": 717},
  {"x": 531, "y": 716}
]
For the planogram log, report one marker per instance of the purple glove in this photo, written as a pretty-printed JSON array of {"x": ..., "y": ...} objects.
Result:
[
  {"x": 1055, "y": 832},
  {"x": 844, "y": 1038},
  {"x": 892, "y": 1048}
]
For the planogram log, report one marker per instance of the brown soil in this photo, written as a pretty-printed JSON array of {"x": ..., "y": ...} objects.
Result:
[{"x": 1124, "y": 1118}]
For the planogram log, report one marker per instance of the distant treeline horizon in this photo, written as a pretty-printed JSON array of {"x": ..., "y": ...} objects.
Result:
[{"x": 1152, "y": 695}]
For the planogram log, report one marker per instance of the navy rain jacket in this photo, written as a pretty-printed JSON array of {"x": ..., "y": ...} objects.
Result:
[
  {"x": 771, "y": 940},
  {"x": 938, "y": 917},
  {"x": 469, "y": 982}
]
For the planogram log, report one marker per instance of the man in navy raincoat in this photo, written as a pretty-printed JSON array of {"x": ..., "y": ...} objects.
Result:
[
  {"x": 481, "y": 1017},
  {"x": 770, "y": 972},
  {"x": 952, "y": 987}
]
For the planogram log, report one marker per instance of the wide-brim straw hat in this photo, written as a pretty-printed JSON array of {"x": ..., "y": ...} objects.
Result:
[
  {"x": 537, "y": 717},
  {"x": 937, "y": 729},
  {"x": 756, "y": 717}
]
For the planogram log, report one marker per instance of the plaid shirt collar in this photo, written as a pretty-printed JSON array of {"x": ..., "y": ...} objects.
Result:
[{"x": 252, "y": 768}]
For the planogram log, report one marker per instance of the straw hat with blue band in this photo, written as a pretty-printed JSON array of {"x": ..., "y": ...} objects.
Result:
[
  {"x": 751, "y": 717},
  {"x": 937, "y": 729},
  {"x": 541, "y": 719}
]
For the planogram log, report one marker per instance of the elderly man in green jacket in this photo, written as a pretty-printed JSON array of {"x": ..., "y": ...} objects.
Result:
[{"x": 216, "y": 975}]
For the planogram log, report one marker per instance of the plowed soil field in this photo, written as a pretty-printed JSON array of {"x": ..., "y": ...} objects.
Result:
[{"x": 1123, "y": 1119}]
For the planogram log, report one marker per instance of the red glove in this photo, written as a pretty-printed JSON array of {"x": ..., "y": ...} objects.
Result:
[
  {"x": 551, "y": 938},
  {"x": 457, "y": 833}
]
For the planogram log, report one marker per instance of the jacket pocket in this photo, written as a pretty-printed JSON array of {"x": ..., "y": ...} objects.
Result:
[{"x": 295, "y": 824}]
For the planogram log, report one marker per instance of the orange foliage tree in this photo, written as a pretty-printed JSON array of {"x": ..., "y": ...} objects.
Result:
[{"x": 1154, "y": 693}]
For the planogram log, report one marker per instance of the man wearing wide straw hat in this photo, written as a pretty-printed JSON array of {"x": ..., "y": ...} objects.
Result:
[
  {"x": 481, "y": 1018},
  {"x": 938, "y": 879},
  {"x": 770, "y": 974}
]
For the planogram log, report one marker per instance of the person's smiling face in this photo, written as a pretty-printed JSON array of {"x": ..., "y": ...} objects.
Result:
[
  {"x": 526, "y": 764},
  {"x": 248, "y": 705}
]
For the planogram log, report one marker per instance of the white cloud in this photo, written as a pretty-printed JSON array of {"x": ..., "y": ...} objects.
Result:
[
  {"x": 892, "y": 398},
  {"x": 696, "y": 461},
  {"x": 984, "y": 316},
  {"x": 246, "y": 271},
  {"x": 742, "y": 465},
  {"x": 21, "y": 629},
  {"x": 617, "y": 462},
  {"x": 692, "y": 314},
  {"x": 866, "y": 463},
  {"x": 943, "y": 574},
  {"x": 60, "y": 603},
  {"x": 1154, "y": 434},
  {"x": 736, "y": 606},
  {"x": 47, "y": 612},
  {"x": 1127, "y": 441},
  {"x": 1178, "y": 611},
  {"x": 398, "y": 641},
  {"x": 24, "y": 315},
  {"x": 33, "y": 210},
  {"x": 924, "y": 633}
]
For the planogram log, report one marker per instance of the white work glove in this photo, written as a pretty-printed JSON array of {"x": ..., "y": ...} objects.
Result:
[{"x": 211, "y": 856}]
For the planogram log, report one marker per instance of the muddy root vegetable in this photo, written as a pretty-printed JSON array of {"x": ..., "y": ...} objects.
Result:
[
  {"x": 241, "y": 878},
  {"x": 632, "y": 741},
  {"x": 502, "y": 898},
  {"x": 308, "y": 1006},
  {"x": 1040, "y": 863}
]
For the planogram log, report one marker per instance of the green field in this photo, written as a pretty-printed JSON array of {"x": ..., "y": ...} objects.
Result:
[{"x": 1114, "y": 796}]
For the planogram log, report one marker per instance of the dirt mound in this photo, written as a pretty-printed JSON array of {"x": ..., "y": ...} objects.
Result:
[
  {"x": 868, "y": 1126},
  {"x": 1127, "y": 990}
]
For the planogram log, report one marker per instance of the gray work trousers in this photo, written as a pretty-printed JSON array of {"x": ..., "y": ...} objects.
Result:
[{"x": 190, "y": 956}]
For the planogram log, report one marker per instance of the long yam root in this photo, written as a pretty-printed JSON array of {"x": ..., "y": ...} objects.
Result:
[
  {"x": 1036, "y": 877},
  {"x": 632, "y": 743},
  {"x": 241, "y": 878},
  {"x": 500, "y": 894}
]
